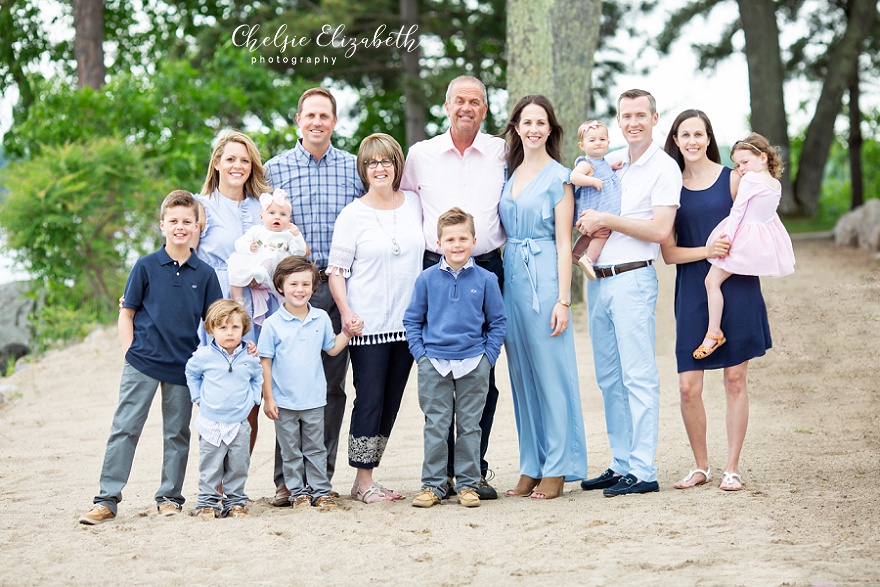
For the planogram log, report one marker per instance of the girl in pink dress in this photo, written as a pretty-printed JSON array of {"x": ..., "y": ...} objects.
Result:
[{"x": 759, "y": 244}]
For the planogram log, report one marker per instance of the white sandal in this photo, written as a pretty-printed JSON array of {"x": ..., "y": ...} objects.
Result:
[
  {"x": 728, "y": 480},
  {"x": 707, "y": 474}
]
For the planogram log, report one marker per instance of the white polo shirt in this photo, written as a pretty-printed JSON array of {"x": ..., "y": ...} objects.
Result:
[
  {"x": 653, "y": 180},
  {"x": 444, "y": 178}
]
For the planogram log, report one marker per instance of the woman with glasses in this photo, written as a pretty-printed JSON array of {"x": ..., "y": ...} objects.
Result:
[{"x": 375, "y": 257}]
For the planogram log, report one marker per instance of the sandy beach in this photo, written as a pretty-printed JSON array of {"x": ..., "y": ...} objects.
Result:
[{"x": 809, "y": 513}]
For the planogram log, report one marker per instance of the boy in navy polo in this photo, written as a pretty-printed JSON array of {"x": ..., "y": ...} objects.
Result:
[
  {"x": 294, "y": 385},
  {"x": 455, "y": 326},
  {"x": 167, "y": 294}
]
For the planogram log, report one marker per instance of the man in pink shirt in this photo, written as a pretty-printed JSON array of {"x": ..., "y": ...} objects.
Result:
[{"x": 463, "y": 167}]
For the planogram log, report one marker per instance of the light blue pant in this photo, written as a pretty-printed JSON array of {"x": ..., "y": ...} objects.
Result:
[
  {"x": 622, "y": 330},
  {"x": 136, "y": 393},
  {"x": 227, "y": 464},
  {"x": 439, "y": 397},
  {"x": 300, "y": 435}
]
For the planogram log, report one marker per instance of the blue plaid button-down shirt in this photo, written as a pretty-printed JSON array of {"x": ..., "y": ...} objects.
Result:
[{"x": 318, "y": 191}]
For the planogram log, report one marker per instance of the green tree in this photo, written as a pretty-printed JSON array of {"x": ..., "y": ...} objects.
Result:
[
  {"x": 842, "y": 48},
  {"x": 77, "y": 214}
]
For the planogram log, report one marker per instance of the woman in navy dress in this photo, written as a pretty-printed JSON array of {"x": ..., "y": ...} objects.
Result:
[
  {"x": 706, "y": 199},
  {"x": 537, "y": 210}
]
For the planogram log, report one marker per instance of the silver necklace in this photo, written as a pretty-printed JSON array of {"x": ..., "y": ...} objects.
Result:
[{"x": 395, "y": 248}]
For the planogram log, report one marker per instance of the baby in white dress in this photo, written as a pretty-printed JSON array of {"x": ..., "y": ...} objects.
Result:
[{"x": 259, "y": 250}]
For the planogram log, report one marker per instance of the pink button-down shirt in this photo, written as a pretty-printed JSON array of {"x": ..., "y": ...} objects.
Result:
[{"x": 444, "y": 178}]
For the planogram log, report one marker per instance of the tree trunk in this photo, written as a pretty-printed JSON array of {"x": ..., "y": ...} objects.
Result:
[
  {"x": 88, "y": 45},
  {"x": 550, "y": 47},
  {"x": 766, "y": 79},
  {"x": 855, "y": 144},
  {"x": 843, "y": 65},
  {"x": 414, "y": 96}
]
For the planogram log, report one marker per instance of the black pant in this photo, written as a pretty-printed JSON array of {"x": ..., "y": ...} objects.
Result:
[
  {"x": 380, "y": 372},
  {"x": 490, "y": 262}
]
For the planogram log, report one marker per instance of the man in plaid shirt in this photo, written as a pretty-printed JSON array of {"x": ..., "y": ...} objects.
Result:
[{"x": 320, "y": 180}]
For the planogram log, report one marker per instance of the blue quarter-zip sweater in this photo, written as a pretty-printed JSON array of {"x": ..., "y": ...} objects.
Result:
[
  {"x": 225, "y": 386},
  {"x": 453, "y": 317}
]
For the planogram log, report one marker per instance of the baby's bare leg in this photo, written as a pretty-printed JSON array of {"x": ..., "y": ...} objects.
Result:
[
  {"x": 580, "y": 245},
  {"x": 715, "y": 298},
  {"x": 595, "y": 248}
]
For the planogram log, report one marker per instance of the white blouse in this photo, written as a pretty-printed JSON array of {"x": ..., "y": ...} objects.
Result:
[{"x": 380, "y": 283}]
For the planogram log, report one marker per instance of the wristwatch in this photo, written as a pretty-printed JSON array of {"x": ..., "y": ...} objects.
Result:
[{"x": 564, "y": 302}]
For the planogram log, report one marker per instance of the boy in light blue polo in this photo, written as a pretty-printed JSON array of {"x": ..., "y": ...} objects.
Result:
[
  {"x": 294, "y": 385},
  {"x": 226, "y": 382},
  {"x": 167, "y": 294},
  {"x": 455, "y": 327}
]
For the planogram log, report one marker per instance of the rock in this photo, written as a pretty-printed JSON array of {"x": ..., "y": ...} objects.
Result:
[
  {"x": 14, "y": 325},
  {"x": 12, "y": 352},
  {"x": 861, "y": 227}
]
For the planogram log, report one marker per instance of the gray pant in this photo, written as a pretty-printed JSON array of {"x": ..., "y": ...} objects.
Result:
[
  {"x": 300, "y": 434},
  {"x": 226, "y": 464},
  {"x": 136, "y": 393},
  {"x": 439, "y": 397},
  {"x": 335, "y": 370}
]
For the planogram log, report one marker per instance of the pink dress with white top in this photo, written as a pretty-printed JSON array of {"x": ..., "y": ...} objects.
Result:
[{"x": 759, "y": 243}]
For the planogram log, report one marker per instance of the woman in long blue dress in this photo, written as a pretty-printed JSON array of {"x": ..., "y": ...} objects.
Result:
[
  {"x": 705, "y": 201},
  {"x": 537, "y": 208}
]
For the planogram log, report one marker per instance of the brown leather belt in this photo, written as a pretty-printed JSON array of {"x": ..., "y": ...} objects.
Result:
[
  {"x": 622, "y": 268},
  {"x": 322, "y": 275}
]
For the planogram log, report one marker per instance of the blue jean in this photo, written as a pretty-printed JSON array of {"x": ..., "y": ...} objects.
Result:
[
  {"x": 136, "y": 393},
  {"x": 622, "y": 329},
  {"x": 441, "y": 397}
]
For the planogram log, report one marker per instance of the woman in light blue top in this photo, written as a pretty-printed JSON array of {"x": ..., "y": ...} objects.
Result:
[
  {"x": 537, "y": 211},
  {"x": 230, "y": 205}
]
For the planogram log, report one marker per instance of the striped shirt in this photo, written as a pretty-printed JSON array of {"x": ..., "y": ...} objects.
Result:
[{"x": 318, "y": 190}]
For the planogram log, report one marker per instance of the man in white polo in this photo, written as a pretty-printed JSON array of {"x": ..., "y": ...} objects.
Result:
[
  {"x": 623, "y": 298},
  {"x": 463, "y": 167}
]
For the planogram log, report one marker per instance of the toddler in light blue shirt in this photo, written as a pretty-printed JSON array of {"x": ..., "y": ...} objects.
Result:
[{"x": 226, "y": 382}]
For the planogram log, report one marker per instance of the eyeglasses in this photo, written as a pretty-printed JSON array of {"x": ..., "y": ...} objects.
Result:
[{"x": 373, "y": 164}]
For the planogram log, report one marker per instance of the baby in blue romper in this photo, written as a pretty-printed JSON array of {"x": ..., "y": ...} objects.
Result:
[{"x": 598, "y": 189}]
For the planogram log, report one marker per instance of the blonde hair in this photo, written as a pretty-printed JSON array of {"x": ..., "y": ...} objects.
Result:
[
  {"x": 758, "y": 144},
  {"x": 380, "y": 146},
  {"x": 582, "y": 129},
  {"x": 454, "y": 217},
  {"x": 221, "y": 311},
  {"x": 255, "y": 184}
]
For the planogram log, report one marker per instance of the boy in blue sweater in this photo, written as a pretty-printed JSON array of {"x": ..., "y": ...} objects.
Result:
[
  {"x": 167, "y": 295},
  {"x": 226, "y": 382},
  {"x": 455, "y": 326}
]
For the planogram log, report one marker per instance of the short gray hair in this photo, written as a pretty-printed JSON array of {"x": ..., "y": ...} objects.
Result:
[{"x": 469, "y": 79}]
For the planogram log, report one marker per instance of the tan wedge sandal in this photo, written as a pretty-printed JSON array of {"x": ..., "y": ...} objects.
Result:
[
  {"x": 524, "y": 487},
  {"x": 549, "y": 488}
]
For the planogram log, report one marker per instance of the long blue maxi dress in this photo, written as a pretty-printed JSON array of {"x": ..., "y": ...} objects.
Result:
[{"x": 543, "y": 370}]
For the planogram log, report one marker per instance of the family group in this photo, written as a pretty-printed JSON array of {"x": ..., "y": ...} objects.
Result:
[{"x": 274, "y": 279}]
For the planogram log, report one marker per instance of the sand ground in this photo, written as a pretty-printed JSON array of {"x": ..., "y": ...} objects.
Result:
[{"x": 809, "y": 515}]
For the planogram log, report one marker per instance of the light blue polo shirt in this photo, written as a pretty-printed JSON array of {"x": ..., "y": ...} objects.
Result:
[{"x": 295, "y": 346}]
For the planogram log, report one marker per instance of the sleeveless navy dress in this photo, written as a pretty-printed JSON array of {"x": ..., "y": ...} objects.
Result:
[{"x": 744, "y": 321}]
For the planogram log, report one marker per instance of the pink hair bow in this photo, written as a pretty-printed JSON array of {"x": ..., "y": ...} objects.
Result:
[
  {"x": 278, "y": 197},
  {"x": 588, "y": 126}
]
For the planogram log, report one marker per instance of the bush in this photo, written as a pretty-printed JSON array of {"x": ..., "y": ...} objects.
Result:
[{"x": 77, "y": 215}]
